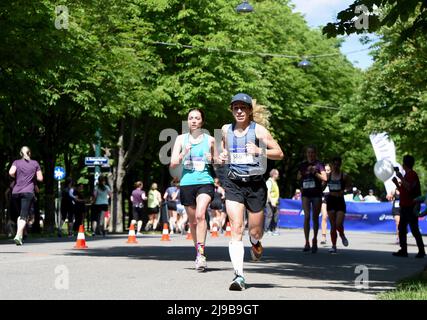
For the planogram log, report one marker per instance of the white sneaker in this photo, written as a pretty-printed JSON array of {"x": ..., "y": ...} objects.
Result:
[
  {"x": 139, "y": 234},
  {"x": 201, "y": 264},
  {"x": 18, "y": 241}
]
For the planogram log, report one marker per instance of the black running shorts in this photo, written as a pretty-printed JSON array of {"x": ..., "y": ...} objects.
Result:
[
  {"x": 252, "y": 194},
  {"x": 172, "y": 205},
  {"x": 137, "y": 213},
  {"x": 335, "y": 203},
  {"x": 188, "y": 194}
]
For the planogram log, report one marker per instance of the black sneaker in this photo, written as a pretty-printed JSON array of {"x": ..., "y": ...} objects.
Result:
[
  {"x": 314, "y": 247},
  {"x": 400, "y": 253},
  {"x": 420, "y": 255},
  {"x": 306, "y": 247}
]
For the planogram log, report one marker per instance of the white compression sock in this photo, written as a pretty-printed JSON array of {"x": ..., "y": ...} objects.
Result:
[{"x": 237, "y": 252}]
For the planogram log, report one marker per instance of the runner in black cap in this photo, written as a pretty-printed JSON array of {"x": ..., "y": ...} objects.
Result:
[{"x": 246, "y": 147}]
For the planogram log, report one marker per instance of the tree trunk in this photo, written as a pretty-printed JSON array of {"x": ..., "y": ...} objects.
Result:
[
  {"x": 116, "y": 181},
  {"x": 49, "y": 200}
]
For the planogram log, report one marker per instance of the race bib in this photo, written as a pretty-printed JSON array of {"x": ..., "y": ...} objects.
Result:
[
  {"x": 396, "y": 204},
  {"x": 336, "y": 186},
  {"x": 241, "y": 158},
  {"x": 309, "y": 184},
  {"x": 195, "y": 163}
]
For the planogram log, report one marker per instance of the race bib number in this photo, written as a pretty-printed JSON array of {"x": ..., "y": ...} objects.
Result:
[
  {"x": 241, "y": 158},
  {"x": 396, "y": 204},
  {"x": 309, "y": 184},
  {"x": 335, "y": 186},
  {"x": 195, "y": 163}
]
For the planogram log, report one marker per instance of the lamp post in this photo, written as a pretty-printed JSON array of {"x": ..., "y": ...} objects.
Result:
[{"x": 244, "y": 7}]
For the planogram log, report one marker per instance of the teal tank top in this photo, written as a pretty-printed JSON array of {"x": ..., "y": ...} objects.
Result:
[{"x": 196, "y": 169}]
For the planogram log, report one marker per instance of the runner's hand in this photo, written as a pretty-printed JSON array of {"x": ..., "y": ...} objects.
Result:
[
  {"x": 223, "y": 157},
  {"x": 251, "y": 148}
]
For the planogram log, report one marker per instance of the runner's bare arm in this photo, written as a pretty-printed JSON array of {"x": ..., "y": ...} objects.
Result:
[
  {"x": 12, "y": 171},
  {"x": 39, "y": 176},
  {"x": 223, "y": 157},
  {"x": 176, "y": 155},
  {"x": 214, "y": 151},
  {"x": 322, "y": 176}
]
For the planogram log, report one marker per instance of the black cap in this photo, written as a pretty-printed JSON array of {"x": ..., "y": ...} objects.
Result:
[{"x": 243, "y": 97}]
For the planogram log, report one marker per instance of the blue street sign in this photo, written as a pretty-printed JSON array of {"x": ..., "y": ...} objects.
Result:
[
  {"x": 59, "y": 173},
  {"x": 96, "y": 161}
]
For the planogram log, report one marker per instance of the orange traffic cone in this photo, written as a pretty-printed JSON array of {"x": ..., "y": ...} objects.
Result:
[
  {"x": 81, "y": 242},
  {"x": 214, "y": 233},
  {"x": 131, "y": 237},
  {"x": 189, "y": 236},
  {"x": 165, "y": 234},
  {"x": 228, "y": 230}
]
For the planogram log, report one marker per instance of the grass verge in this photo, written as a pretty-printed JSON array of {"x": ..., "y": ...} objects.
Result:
[{"x": 412, "y": 288}]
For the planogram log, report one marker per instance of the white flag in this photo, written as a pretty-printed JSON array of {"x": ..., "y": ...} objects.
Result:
[{"x": 384, "y": 149}]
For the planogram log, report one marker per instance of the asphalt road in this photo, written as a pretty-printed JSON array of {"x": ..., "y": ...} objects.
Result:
[{"x": 157, "y": 270}]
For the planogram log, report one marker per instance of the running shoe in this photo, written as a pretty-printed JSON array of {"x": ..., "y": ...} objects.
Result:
[
  {"x": 275, "y": 233},
  {"x": 323, "y": 240},
  {"x": 238, "y": 283},
  {"x": 420, "y": 255},
  {"x": 256, "y": 251},
  {"x": 18, "y": 241},
  {"x": 139, "y": 234},
  {"x": 314, "y": 247},
  {"x": 201, "y": 264},
  {"x": 333, "y": 250},
  {"x": 400, "y": 253},
  {"x": 344, "y": 241},
  {"x": 306, "y": 247}
]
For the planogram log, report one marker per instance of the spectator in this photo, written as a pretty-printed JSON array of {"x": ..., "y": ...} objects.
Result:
[
  {"x": 371, "y": 197},
  {"x": 271, "y": 212},
  {"x": 79, "y": 206},
  {"x": 409, "y": 188},
  {"x": 297, "y": 195},
  {"x": 357, "y": 195},
  {"x": 67, "y": 210}
]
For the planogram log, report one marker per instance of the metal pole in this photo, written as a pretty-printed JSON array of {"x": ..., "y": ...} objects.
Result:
[
  {"x": 58, "y": 208},
  {"x": 97, "y": 154}
]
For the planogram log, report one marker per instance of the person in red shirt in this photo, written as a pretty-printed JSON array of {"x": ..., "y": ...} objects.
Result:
[{"x": 409, "y": 188}]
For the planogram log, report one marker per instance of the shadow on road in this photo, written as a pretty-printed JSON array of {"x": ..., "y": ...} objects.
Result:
[{"x": 337, "y": 272}]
